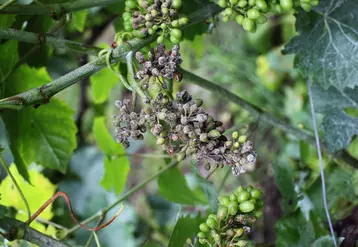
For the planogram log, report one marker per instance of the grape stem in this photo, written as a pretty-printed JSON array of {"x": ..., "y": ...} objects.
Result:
[{"x": 324, "y": 192}]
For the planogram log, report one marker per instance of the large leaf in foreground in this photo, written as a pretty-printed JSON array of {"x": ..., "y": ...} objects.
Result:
[
  {"x": 339, "y": 127},
  {"x": 45, "y": 135},
  {"x": 326, "y": 47}
]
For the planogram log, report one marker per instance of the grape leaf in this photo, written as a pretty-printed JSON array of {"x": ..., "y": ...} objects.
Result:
[
  {"x": 185, "y": 227},
  {"x": 7, "y": 20},
  {"x": 208, "y": 188},
  {"x": 102, "y": 82},
  {"x": 9, "y": 57},
  {"x": 116, "y": 173},
  {"x": 36, "y": 194},
  {"x": 116, "y": 168},
  {"x": 151, "y": 244},
  {"x": 326, "y": 47},
  {"x": 284, "y": 179},
  {"x": 46, "y": 135},
  {"x": 79, "y": 20},
  {"x": 339, "y": 127},
  {"x": 173, "y": 187},
  {"x": 325, "y": 241}
]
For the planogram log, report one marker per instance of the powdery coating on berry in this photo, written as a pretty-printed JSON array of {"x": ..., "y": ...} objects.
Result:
[
  {"x": 183, "y": 128},
  {"x": 160, "y": 62}
]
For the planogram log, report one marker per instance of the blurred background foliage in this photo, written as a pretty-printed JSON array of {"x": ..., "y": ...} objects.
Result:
[{"x": 249, "y": 65}]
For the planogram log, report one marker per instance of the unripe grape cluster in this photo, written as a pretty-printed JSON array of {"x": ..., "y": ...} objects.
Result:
[
  {"x": 183, "y": 128},
  {"x": 233, "y": 220},
  {"x": 250, "y": 13},
  {"x": 154, "y": 17}
]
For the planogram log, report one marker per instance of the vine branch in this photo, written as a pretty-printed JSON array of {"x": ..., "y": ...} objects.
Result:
[
  {"x": 45, "y": 38},
  {"x": 265, "y": 117},
  {"x": 59, "y": 9},
  {"x": 13, "y": 229}
]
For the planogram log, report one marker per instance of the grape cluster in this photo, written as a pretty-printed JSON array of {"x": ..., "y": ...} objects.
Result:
[
  {"x": 183, "y": 128},
  {"x": 250, "y": 13},
  {"x": 154, "y": 17},
  {"x": 161, "y": 64},
  {"x": 234, "y": 218}
]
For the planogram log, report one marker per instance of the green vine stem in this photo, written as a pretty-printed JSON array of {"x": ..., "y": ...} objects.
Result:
[
  {"x": 2, "y": 161},
  {"x": 41, "y": 95},
  {"x": 8, "y": 3},
  {"x": 14, "y": 229},
  {"x": 63, "y": 8},
  {"x": 44, "y": 38},
  {"x": 265, "y": 117},
  {"x": 124, "y": 197}
]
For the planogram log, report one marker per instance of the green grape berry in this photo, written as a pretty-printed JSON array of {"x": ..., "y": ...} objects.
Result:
[
  {"x": 233, "y": 2},
  {"x": 240, "y": 19},
  {"x": 155, "y": 27},
  {"x": 306, "y": 7},
  {"x": 211, "y": 222},
  {"x": 242, "y": 3},
  {"x": 160, "y": 39},
  {"x": 253, "y": 14},
  {"x": 261, "y": 4},
  {"x": 286, "y": 4},
  {"x": 176, "y": 4},
  {"x": 212, "y": 216},
  {"x": 222, "y": 3},
  {"x": 224, "y": 200},
  {"x": 176, "y": 33},
  {"x": 261, "y": 20},
  {"x": 235, "y": 135},
  {"x": 239, "y": 232},
  {"x": 202, "y": 241},
  {"x": 130, "y": 4},
  {"x": 253, "y": 200},
  {"x": 126, "y": 16},
  {"x": 233, "y": 197},
  {"x": 229, "y": 232},
  {"x": 204, "y": 227},
  {"x": 175, "y": 23},
  {"x": 249, "y": 188},
  {"x": 163, "y": 26},
  {"x": 233, "y": 208},
  {"x": 222, "y": 213},
  {"x": 238, "y": 190},
  {"x": 248, "y": 24},
  {"x": 241, "y": 243},
  {"x": 252, "y": 2},
  {"x": 256, "y": 194},
  {"x": 183, "y": 21},
  {"x": 225, "y": 19},
  {"x": 174, "y": 40},
  {"x": 257, "y": 214},
  {"x": 165, "y": 11},
  {"x": 246, "y": 207},
  {"x": 242, "y": 139},
  {"x": 201, "y": 235},
  {"x": 243, "y": 196}
]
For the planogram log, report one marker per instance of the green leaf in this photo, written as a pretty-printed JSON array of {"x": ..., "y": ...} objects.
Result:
[
  {"x": 104, "y": 139},
  {"x": 207, "y": 187},
  {"x": 326, "y": 47},
  {"x": 9, "y": 57},
  {"x": 1, "y": 149},
  {"x": 185, "y": 227},
  {"x": 116, "y": 168},
  {"x": 37, "y": 24},
  {"x": 340, "y": 186},
  {"x": 284, "y": 179},
  {"x": 79, "y": 20},
  {"x": 102, "y": 83},
  {"x": 294, "y": 231},
  {"x": 173, "y": 186},
  {"x": 7, "y": 20},
  {"x": 325, "y": 241},
  {"x": 339, "y": 127},
  {"x": 116, "y": 173},
  {"x": 46, "y": 136}
]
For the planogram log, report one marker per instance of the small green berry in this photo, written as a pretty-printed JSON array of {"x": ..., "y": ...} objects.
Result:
[
  {"x": 253, "y": 14},
  {"x": 242, "y": 3},
  {"x": 160, "y": 141},
  {"x": 204, "y": 227},
  {"x": 211, "y": 223},
  {"x": 246, "y": 207},
  {"x": 176, "y": 4},
  {"x": 201, "y": 235},
  {"x": 175, "y": 23},
  {"x": 239, "y": 232},
  {"x": 160, "y": 39},
  {"x": 174, "y": 40},
  {"x": 256, "y": 193},
  {"x": 235, "y": 135},
  {"x": 222, "y": 3},
  {"x": 239, "y": 20},
  {"x": 222, "y": 213},
  {"x": 233, "y": 208},
  {"x": 183, "y": 21},
  {"x": 214, "y": 134},
  {"x": 257, "y": 214},
  {"x": 176, "y": 33},
  {"x": 243, "y": 196},
  {"x": 233, "y": 197},
  {"x": 242, "y": 139}
]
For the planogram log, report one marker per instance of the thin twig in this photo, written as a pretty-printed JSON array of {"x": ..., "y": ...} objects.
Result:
[
  {"x": 2, "y": 161},
  {"x": 8, "y": 3},
  {"x": 324, "y": 192},
  {"x": 44, "y": 38},
  {"x": 125, "y": 196}
]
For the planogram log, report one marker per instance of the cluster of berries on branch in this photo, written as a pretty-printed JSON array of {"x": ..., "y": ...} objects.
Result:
[
  {"x": 233, "y": 220},
  {"x": 154, "y": 17}
]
